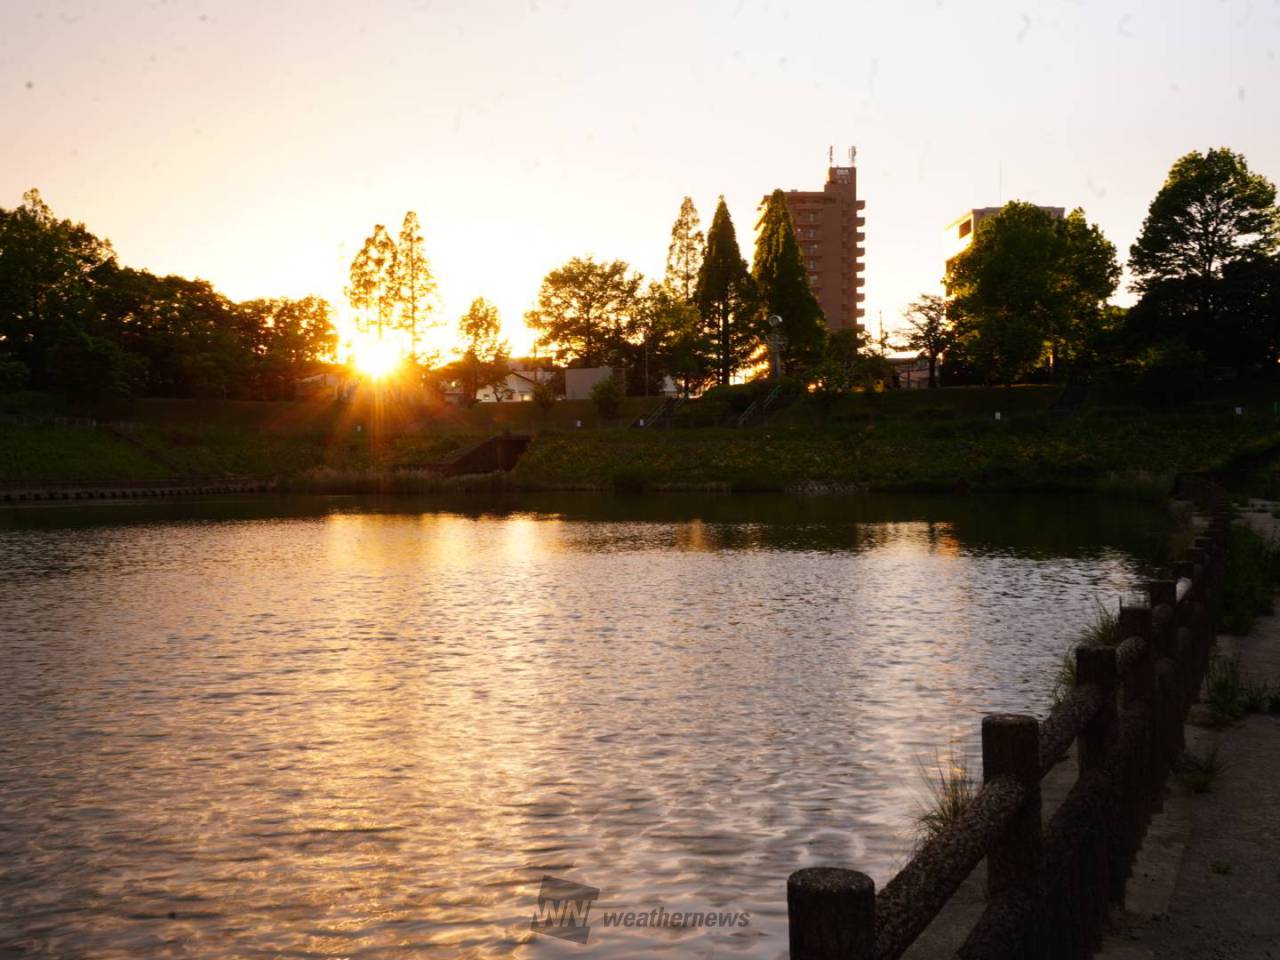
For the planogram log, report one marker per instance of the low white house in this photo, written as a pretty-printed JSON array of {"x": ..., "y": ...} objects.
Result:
[
  {"x": 327, "y": 384},
  {"x": 516, "y": 388}
]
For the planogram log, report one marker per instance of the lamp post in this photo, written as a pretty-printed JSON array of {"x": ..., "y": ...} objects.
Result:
[{"x": 776, "y": 341}]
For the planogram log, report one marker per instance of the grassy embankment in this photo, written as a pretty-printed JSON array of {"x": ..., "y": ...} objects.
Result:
[{"x": 902, "y": 441}]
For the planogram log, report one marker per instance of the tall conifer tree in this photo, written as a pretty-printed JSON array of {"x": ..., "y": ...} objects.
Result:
[
  {"x": 414, "y": 281},
  {"x": 685, "y": 254},
  {"x": 783, "y": 285},
  {"x": 725, "y": 297}
]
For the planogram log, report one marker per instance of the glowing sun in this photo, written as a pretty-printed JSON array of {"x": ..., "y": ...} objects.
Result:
[{"x": 375, "y": 358}]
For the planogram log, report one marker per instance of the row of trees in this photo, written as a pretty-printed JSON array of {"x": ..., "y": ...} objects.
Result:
[
  {"x": 392, "y": 286},
  {"x": 704, "y": 321},
  {"x": 73, "y": 318},
  {"x": 1030, "y": 295}
]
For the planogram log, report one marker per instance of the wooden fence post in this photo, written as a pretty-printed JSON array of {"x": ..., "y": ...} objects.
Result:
[
  {"x": 831, "y": 914},
  {"x": 1011, "y": 745},
  {"x": 1097, "y": 665}
]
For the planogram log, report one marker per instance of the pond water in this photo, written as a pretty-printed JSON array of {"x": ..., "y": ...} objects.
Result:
[{"x": 363, "y": 728}]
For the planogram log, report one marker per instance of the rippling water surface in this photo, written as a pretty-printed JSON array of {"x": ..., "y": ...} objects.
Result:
[{"x": 345, "y": 728}]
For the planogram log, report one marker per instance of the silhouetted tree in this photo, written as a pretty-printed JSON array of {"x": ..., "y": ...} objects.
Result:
[
  {"x": 290, "y": 339},
  {"x": 782, "y": 286},
  {"x": 372, "y": 288},
  {"x": 1206, "y": 265},
  {"x": 685, "y": 254},
  {"x": 48, "y": 276},
  {"x": 71, "y": 317},
  {"x": 1212, "y": 211},
  {"x": 726, "y": 299},
  {"x": 930, "y": 332},
  {"x": 586, "y": 311},
  {"x": 485, "y": 354},
  {"x": 414, "y": 283}
]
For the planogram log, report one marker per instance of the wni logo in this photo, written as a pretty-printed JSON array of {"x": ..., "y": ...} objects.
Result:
[{"x": 563, "y": 907}]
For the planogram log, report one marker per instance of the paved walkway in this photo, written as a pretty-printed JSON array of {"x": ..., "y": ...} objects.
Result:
[{"x": 1207, "y": 883}]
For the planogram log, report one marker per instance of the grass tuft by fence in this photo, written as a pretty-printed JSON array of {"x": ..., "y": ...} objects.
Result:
[{"x": 950, "y": 788}]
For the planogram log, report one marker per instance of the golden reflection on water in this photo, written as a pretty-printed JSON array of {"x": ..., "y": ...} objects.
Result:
[{"x": 368, "y": 732}]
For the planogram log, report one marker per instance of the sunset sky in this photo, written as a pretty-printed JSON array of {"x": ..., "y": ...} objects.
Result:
[{"x": 255, "y": 144}]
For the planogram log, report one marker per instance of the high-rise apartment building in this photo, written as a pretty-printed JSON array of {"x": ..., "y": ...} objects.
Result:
[{"x": 829, "y": 226}]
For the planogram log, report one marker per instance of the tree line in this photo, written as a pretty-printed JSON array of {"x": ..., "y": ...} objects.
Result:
[
  {"x": 1029, "y": 298},
  {"x": 705, "y": 321},
  {"x": 72, "y": 318}
]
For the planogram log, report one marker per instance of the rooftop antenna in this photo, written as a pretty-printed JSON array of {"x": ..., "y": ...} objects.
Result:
[
  {"x": 853, "y": 156},
  {"x": 831, "y": 156}
]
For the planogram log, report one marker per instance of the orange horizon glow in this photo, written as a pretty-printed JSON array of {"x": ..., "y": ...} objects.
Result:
[{"x": 580, "y": 137}]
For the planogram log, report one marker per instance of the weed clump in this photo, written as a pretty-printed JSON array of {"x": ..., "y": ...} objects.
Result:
[{"x": 951, "y": 789}]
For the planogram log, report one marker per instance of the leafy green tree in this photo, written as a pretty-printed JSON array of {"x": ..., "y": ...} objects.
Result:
[
  {"x": 289, "y": 338},
  {"x": 48, "y": 274},
  {"x": 930, "y": 332},
  {"x": 586, "y": 311},
  {"x": 76, "y": 320},
  {"x": 1251, "y": 307},
  {"x": 1003, "y": 345},
  {"x": 86, "y": 366},
  {"x": 1212, "y": 211},
  {"x": 668, "y": 342},
  {"x": 372, "y": 289},
  {"x": 1241, "y": 334},
  {"x": 849, "y": 365},
  {"x": 485, "y": 354},
  {"x": 726, "y": 299},
  {"x": 782, "y": 285},
  {"x": 685, "y": 254},
  {"x": 1207, "y": 266},
  {"x": 415, "y": 285},
  {"x": 1087, "y": 275},
  {"x": 193, "y": 338},
  {"x": 1030, "y": 285}
]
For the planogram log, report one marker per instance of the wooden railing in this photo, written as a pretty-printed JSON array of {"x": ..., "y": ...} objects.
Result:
[{"x": 1049, "y": 888}]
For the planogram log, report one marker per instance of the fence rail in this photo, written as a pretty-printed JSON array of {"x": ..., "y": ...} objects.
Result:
[{"x": 1050, "y": 887}]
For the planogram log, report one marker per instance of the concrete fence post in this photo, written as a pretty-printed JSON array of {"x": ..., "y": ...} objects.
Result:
[{"x": 831, "y": 914}]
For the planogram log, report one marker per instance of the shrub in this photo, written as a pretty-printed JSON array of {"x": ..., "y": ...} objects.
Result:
[
  {"x": 1197, "y": 774},
  {"x": 1224, "y": 688},
  {"x": 1251, "y": 580},
  {"x": 544, "y": 397},
  {"x": 607, "y": 397},
  {"x": 13, "y": 375}
]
